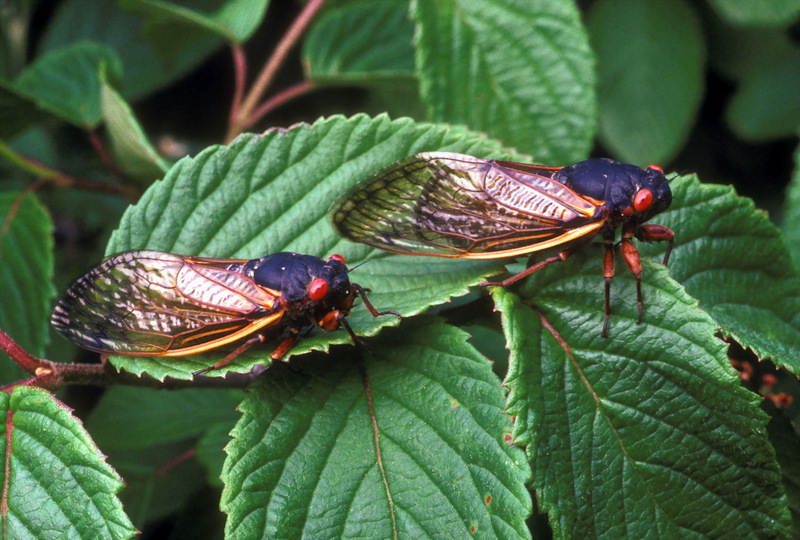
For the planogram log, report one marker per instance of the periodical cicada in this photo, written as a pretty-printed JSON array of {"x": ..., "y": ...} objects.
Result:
[
  {"x": 463, "y": 207},
  {"x": 150, "y": 303}
]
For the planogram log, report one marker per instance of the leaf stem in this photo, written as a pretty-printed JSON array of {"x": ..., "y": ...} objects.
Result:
[
  {"x": 279, "y": 99},
  {"x": 239, "y": 78},
  {"x": 105, "y": 157},
  {"x": 59, "y": 179},
  {"x": 23, "y": 358},
  {"x": 362, "y": 368},
  {"x": 54, "y": 375},
  {"x": 264, "y": 78}
]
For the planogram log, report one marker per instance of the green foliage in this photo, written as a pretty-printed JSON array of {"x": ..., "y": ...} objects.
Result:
[
  {"x": 64, "y": 82},
  {"x": 359, "y": 41},
  {"x": 624, "y": 422},
  {"x": 153, "y": 55},
  {"x": 404, "y": 442},
  {"x": 56, "y": 483},
  {"x": 650, "y": 84},
  {"x": 520, "y": 70},
  {"x": 26, "y": 271},
  {"x": 235, "y": 20},
  {"x": 132, "y": 151},
  {"x": 445, "y": 421}
]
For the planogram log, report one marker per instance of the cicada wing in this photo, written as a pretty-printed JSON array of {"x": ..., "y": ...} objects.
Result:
[
  {"x": 454, "y": 205},
  {"x": 154, "y": 303}
]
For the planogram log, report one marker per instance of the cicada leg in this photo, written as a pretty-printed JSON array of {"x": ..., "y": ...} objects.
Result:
[
  {"x": 657, "y": 233},
  {"x": 559, "y": 257},
  {"x": 608, "y": 275},
  {"x": 259, "y": 338}
]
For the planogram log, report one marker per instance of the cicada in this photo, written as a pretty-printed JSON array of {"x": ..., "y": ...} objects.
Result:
[
  {"x": 150, "y": 303},
  {"x": 463, "y": 207}
]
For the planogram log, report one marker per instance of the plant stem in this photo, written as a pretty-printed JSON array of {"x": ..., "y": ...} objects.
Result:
[
  {"x": 54, "y": 375},
  {"x": 23, "y": 358},
  {"x": 101, "y": 151},
  {"x": 274, "y": 62},
  {"x": 239, "y": 77},
  {"x": 279, "y": 99},
  {"x": 57, "y": 178}
]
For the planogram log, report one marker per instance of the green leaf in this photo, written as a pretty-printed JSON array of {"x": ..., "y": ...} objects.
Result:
[
  {"x": 161, "y": 480},
  {"x": 359, "y": 42},
  {"x": 521, "y": 70},
  {"x": 407, "y": 442},
  {"x": 737, "y": 52},
  {"x": 268, "y": 193},
  {"x": 234, "y": 20},
  {"x": 243, "y": 17},
  {"x": 645, "y": 432},
  {"x": 367, "y": 43},
  {"x": 650, "y": 80},
  {"x": 148, "y": 65},
  {"x": 791, "y": 213},
  {"x": 784, "y": 438},
  {"x": 132, "y": 151},
  {"x": 772, "y": 13},
  {"x": 56, "y": 483},
  {"x": 130, "y": 418},
  {"x": 143, "y": 430},
  {"x": 731, "y": 258},
  {"x": 767, "y": 103},
  {"x": 65, "y": 81},
  {"x": 18, "y": 112},
  {"x": 26, "y": 272},
  {"x": 211, "y": 451}
]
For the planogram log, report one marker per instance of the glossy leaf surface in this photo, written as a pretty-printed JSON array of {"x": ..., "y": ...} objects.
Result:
[
  {"x": 55, "y": 479},
  {"x": 406, "y": 442},
  {"x": 520, "y": 70},
  {"x": 26, "y": 271},
  {"x": 645, "y": 431}
]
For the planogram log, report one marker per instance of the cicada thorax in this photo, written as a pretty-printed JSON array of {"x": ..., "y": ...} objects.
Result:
[
  {"x": 627, "y": 193},
  {"x": 311, "y": 290}
]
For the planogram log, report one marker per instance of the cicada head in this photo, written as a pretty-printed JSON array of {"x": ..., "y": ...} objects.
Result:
[
  {"x": 330, "y": 295},
  {"x": 629, "y": 192},
  {"x": 332, "y": 280}
]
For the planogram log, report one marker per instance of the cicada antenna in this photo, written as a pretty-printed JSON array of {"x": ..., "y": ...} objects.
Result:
[{"x": 677, "y": 175}]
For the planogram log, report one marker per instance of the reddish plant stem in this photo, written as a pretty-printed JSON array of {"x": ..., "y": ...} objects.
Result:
[
  {"x": 59, "y": 179},
  {"x": 53, "y": 375},
  {"x": 264, "y": 78},
  {"x": 12, "y": 212},
  {"x": 277, "y": 100},
  {"x": 239, "y": 79},
  {"x": 177, "y": 460},
  {"x": 105, "y": 157},
  {"x": 23, "y": 358}
]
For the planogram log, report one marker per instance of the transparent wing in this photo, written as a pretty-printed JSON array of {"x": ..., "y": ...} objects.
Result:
[
  {"x": 154, "y": 303},
  {"x": 454, "y": 205}
]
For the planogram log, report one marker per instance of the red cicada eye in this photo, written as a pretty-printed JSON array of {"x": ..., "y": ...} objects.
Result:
[
  {"x": 642, "y": 200},
  {"x": 337, "y": 257},
  {"x": 655, "y": 167},
  {"x": 318, "y": 289}
]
